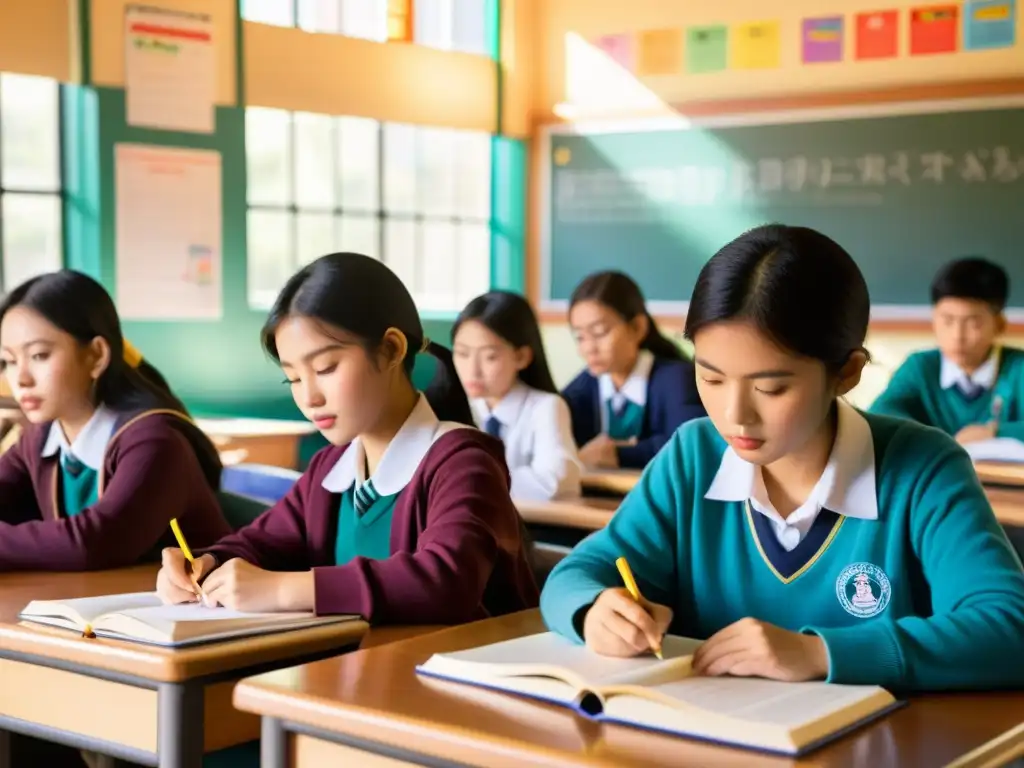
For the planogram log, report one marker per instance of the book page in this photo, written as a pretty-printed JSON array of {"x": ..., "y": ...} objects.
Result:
[
  {"x": 755, "y": 700},
  {"x": 88, "y": 609},
  {"x": 539, "y": 654},
  {"x": 997, "y": 449}
]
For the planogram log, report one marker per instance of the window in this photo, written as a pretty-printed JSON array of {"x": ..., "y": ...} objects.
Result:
[
  {"x": 457, "y": 25},
  {"x": 31, "y": 239},
  {"x": 419, "y": 198}
]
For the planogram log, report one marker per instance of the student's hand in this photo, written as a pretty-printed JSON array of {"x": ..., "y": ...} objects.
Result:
[
  {"x": 241, "y": 586},
  {"x": 752, "y": 648},
  {"x": 616, "y": 625},
  {"x": 973, "y": 433},
  {"x": 173, "y": 584},
  {"x": 600, "y": 452}
]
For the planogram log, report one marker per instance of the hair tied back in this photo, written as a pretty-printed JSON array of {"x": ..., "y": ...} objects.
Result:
[{"x": 131, "y": 354}]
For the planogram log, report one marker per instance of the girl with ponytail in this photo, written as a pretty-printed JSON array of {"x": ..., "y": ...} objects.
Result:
[
  {"x": 637, "y": 388},
  {"x": 406, "y": 517},
  {"x": 109, "y": 455}
]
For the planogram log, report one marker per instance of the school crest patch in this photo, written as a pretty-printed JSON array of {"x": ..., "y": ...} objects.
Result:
[{"x": 863, "y": 590}]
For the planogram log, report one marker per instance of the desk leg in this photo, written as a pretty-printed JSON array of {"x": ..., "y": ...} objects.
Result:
[
  {"x": 5, "y": 749},
  {"x": 273, "y": 744},
  {"x": 180, "y": 736}
]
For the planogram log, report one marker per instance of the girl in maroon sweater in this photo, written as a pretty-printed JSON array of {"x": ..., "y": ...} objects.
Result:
[
  {"x": 406, "y": 517},
  {"x": 109, "y": 455}
]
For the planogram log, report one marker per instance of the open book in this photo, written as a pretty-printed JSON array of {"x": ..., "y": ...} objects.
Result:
[
  {"x": 787, "y": 718},
  {"x": 1004, "y": 449},
  {"x": 141, "y": 617}
]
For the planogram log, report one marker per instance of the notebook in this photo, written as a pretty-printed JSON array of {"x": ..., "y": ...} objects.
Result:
[
  {"x": 764, "y": 715},
  {"x": 1004, "y": 449},
  {"x": 142, "y": 617}
]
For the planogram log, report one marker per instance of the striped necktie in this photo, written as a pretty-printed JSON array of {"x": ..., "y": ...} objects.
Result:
[
  {"x": 493, "y": 427},
  {"x": 364, "y": 497}
]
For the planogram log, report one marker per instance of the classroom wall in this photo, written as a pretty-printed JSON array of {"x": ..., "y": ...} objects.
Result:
[{"x": 575, "y": 80}]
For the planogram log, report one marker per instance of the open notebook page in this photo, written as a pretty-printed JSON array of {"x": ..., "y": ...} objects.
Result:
[
  {"x": 997, "y": 449},
  {"x": 166, "y": 616},
  {"x": 525, "y": 655},
  {"x": 88, "y": 609}
]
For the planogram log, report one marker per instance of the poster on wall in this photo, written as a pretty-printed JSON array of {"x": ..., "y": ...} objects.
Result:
[
  {"x": 756, "y": 45},
  {"x": 933, "y": 29},
  {"x": 618, "y": 48},
  {"x": 168, "y": 214},
  {"x": 170, "y": 69},
  {"x": 659, "y": 52},
  {"x": 822, "y": 40},
  {"x": 989, "y": 24},
  {"x": 707, "y": 49},
  {"x": 878, "y": 35}
]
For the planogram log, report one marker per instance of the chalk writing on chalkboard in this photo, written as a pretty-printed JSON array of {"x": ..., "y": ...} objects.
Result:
[{"x": 609, "y": 195}]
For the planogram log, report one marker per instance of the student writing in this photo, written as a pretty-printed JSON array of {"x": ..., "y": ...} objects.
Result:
[
  {"x": 406, "y": 517},
  {"x": 971, "y": 387},
  {"x": 109, "y": 455},
  {"x": 800, "y": 537},
  {"x": 637, "y": 388},
  {"x": 500, "y": 360}
]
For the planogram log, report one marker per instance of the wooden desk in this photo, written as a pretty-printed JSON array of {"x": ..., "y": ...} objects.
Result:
[
  {"x": 1008, "y": 505},
  {"x": 581, "y": 514},
  {"x": 617, "y": 482},
  {"x": 371, "y": 709},
  {"x": 140, "y": 703},
  {"x": 1000, "y": 474},
  {"x": 264, "y": 441}
]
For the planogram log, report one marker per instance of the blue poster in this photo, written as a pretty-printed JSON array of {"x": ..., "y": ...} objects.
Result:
[{"x": 989, "y": 24}]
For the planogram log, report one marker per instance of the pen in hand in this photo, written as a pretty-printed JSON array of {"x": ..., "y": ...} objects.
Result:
[
  {"x": 189, "y": 560},
  {"x": 627, "y": 577}
]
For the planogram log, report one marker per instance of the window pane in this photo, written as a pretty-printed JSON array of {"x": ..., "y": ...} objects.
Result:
[
  {"x": 319, "y": 15},
  {"x": 469, "y": 33},
  {"x": 365, "y": 18},
  {"x": 440, "y": 267},
  {"x": 271, "y": 257},
  {"x": 473, "y": 175},
  {"x": 474, "y": 241},
  {"x": 399, "y": 168},
  {"x": 32, "y": 236},
  {"x": 314, "y": 236},
  {"x": 268, "y": 156},
  {"x": 279, "y": 12},
  {"x": 314, "y": 159},
  {"x": 400, "y": 251},
  {"x": 360, "y": 234},
  {"x": 433, "y": 23},
  {"x": 358, "y": 163},
  {"x": 436, "y": 171},
  {"x": 29, "y": 153}
]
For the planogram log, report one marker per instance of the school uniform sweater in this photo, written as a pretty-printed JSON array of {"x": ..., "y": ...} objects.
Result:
[
  {"x": 919, "y": 391},
  {"x": 151, "y": 473},
  {"x": 925, "y": 594},
  {"x": 456, "y": 549},
  {"x": 672, "y": 399}
]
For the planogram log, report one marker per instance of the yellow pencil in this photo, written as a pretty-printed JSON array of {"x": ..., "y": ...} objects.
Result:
[
  {"x": 188, "y": 556},
  {"x": 627, "y": 577}
]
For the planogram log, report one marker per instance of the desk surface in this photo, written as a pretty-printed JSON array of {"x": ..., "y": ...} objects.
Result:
[
  {"x": 376, "y": 696},
  {"x": 996, "y": 473},
  {"x": 618, "y": 481},
  {"x": 582, "y": 514},
  {"x": 152, "y": 663},
  {"x": 1008, "y": 505}
]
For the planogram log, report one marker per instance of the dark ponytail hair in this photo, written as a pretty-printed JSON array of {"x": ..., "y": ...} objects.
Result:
[
  {"x": 82, "y": 308},
  {"x": 794, "y": 284},
  {"x": 511, "y": 317},
  {"x": 619, "y": 293},
  {"x": 363, "y": 297}
]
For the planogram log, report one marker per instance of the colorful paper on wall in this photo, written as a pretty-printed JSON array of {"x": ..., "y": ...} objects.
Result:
[
  {"x": 707, "y": 49},
  {"x": 618, "y": 48},
  {"x": 659, "y": 52},
  {"x": 756, "y": 45},
  {"x": 933, "y": 29},
  {"x": 878, "y": 35},
  {"x": 823, "y": 39},
  {"x": 989, "y": 24}
]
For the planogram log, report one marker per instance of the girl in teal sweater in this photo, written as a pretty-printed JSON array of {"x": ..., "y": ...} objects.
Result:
[{"x": 801, "y": 538}]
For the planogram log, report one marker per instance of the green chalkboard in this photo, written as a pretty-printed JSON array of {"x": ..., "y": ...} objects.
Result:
[{"x": 904, "y": 193}]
